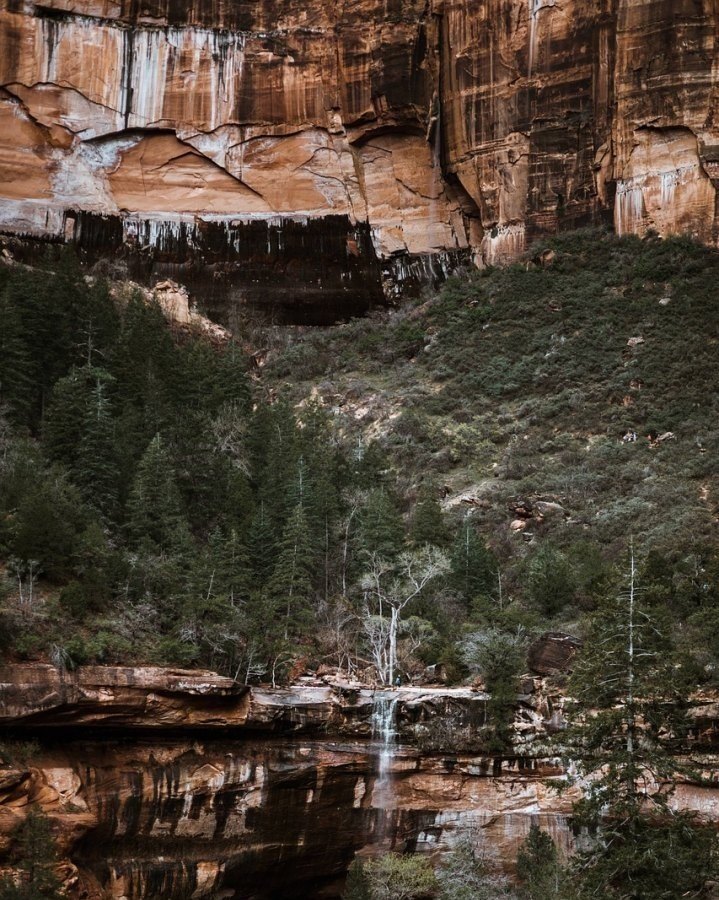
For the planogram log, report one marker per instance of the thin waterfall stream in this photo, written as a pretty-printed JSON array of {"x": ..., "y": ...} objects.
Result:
[{"x": 384, "y": 732}]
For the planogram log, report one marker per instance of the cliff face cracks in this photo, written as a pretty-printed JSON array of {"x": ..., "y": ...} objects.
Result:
[{"x": 443, "y": 127}]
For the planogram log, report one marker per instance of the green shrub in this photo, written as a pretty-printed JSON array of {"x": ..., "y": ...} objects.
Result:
[{"x": 391, "y": 877}]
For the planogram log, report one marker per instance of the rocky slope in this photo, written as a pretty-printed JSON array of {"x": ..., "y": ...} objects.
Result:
[
  {"x": 339, "y": 152},
  {"x": 178, "y": 784}
]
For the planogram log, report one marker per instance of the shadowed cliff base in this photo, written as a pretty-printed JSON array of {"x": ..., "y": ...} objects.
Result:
[
  {"x": 285, "y": 271},
  {"x": 258, "y": 815}
]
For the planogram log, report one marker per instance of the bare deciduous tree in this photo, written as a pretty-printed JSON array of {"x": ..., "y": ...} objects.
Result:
[
  {"x": 388, "y": 589},
  {"x": 27, "y": 572}
]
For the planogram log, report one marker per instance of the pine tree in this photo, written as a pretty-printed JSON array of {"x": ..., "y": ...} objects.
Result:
[
  {"x": 628, "y": 731},
  {"x": 291, "y": 585},
  {"x": 155, "y": 515},
  {"x": 427, "y": 524},
  {"x": 231, "y": 377},
  {"x": 143, "y": 366},
  {"x": 48, "y": 514},
  {"x": 325, "y": 474},
  {"x": 97, "y": 470},
  {"x": 98, "y": 324},
  {"x": 48, "y": 307},
  {"x": 381, "y": 530},
  {"x": 262, "y": 541},
  {"x": 276, "y": 466},
  {"x": 17, "y": 367},
  {"x": 230, "y": 562},
  {"x": 66, "y": 410},
  {"x": 539, "y": 870},
  {"x": 259, "y": 438},
  {"x": 261, "y": 644},
  {"x": 321, "y": 467},
  {"x": 474, "y": 568},
  {"x": 551, "y": 580},
  {"x": 500, "y": 656}
]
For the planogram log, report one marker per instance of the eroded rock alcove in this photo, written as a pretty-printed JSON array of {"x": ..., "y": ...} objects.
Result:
[{"x": 388, "y": 142}]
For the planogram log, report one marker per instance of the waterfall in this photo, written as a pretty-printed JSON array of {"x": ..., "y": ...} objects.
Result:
[
  {"x": 534, "y": 8},
  {"x": 384, "y": 725}
]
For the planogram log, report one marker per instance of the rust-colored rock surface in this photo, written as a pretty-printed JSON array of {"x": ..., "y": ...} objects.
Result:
[
  {"x": 258, "y": 818},
  {"x": 175, "y": 784},
  {"x": 115, "y": 696},
  {"x": 552, "y": 652},
  {"x": 436, "y": 131},
  {"x": 178, "y": 784}
]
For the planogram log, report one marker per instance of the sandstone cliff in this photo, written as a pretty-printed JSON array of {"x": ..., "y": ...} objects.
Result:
[
  {"x": 361, "y": 135},
  {"x": 177, "y": 784}
]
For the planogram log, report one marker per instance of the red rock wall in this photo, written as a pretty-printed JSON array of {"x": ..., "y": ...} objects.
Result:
[
  {"x": 172, "y": 784},
  {"x": 252, "y": 818},
  {"x": 449, "y": 126}
]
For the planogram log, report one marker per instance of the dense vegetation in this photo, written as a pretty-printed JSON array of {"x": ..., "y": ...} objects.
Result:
[
  {"x": 516, "y": 394},
  {"x": 157, "y": 504},
  {"x": 435, "y": 484},
  {"x": 151, "y": 512}
]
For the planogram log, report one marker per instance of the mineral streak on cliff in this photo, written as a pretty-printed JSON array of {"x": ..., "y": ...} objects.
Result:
[
  {"x": 177, "y": 784},
  {"x": 441, "y": 126}
]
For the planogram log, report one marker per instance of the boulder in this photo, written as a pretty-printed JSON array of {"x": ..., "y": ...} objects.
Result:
[{"x": 552, "y": 652}]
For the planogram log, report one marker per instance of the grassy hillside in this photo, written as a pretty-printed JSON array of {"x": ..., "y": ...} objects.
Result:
[
  {"x": 520, "y": 382},
  {"x": 158, "y": 505},
  {"x": 516, "y": 386}
]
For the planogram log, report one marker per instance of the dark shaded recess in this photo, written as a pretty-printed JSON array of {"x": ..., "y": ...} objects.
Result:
[
  {"x": 58, "y": 731},
  {"x": 418, "y": 81},
  {"x": 408, "y": 127},
  {"x": 316, "y": 272},
  {"x": 284, "y": 866},
  {"x": 174, "y": 879},
  {"x": 56, "y": 726},
  {"x": 397, "y": 76},
  {"x": 562, "y": 151},
  {"x": 239, "y": 16},
  {"x": 320, "y": 272},
  {"x": 49, "y": 12},
  {"x": 405, "y": 275},
  {"x": 132, "y": 809}
]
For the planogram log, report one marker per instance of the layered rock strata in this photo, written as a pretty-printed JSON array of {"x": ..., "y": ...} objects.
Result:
[
  {"x": 257, "y": 818},
  {"x": 183, "y": 134},
  {"x": 175, "y": 784}
]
